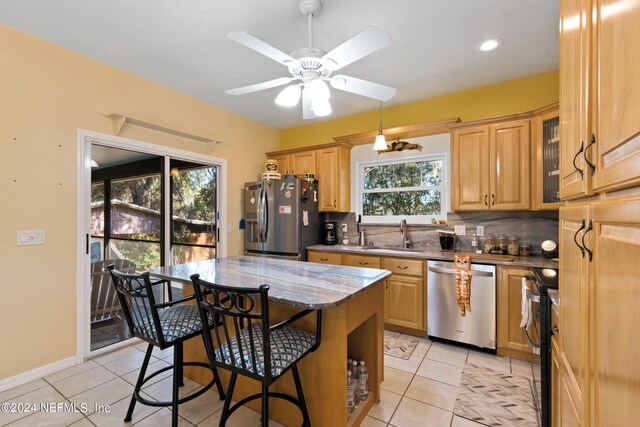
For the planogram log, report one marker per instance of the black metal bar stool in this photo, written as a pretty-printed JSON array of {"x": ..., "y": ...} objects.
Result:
[
  {"x": 246, "y": 344},
  {"x": 162, "y": 325}
]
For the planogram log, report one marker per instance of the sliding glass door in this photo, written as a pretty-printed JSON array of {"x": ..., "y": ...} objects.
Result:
[{"x": 131, "y": 206}]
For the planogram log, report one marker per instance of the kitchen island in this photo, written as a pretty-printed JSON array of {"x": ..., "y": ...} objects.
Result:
[{"x": 351, "y": 299}]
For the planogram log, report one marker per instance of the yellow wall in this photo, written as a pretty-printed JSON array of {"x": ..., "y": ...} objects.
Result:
[
  {"x": 514, "y": 96},
  {"x": 47, "y": 93}
]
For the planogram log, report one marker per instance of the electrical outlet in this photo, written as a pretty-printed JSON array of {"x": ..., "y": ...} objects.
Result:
[
  {"x": 461, "y": 230},
  {"x": 344, "y": 228},
  {"x": 480, "y": 230}
]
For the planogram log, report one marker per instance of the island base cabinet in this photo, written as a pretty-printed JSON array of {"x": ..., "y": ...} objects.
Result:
[{"x": 353, "y": 329}]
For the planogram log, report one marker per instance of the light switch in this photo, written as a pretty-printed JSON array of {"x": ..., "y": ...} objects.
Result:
[
  {"x": 344, "y": 228},
  {"x": 461, "y": 230},
  {"x": 31, "y": 237},
  {"x": 480, "y": 230}
]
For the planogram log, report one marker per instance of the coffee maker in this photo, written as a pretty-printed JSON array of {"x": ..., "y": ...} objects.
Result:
[{"x": 329, "y": 235}]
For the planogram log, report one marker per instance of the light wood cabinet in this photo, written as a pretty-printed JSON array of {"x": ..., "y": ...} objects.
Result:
[
  {"x": 303, "y": 162},
  {"x": 325, "y": 257},
  {"x": 491, "y": 166},
  {"x": 575, "y": 175},
  {"x": 616, "y": 95},
  {"x": 406, "y": 302},
  {"x": 284, "y": 165},
  {"x": 511, "y": 339},
  {"x": 405, "y": 294},
  {"x": 331, "y": 165},
  {"x": 545, "y": 159},
  {"x": 574, "y": 307},
  {"x": 332, "y": 171},
  {"x": 406, "y": 297},
  {"x": 615, "y": 293},
  {"x": 556, "y": 401}
]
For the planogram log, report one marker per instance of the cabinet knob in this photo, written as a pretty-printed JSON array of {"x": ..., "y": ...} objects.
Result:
[
  {"x": 576, "y": 157},
  {"x": 334, "y": 203},
  {"x": 363, "y": 263},
  {"x": 493, "y": 200},
  {"x": 485, "y": 199},
  {"x": 324, "y": 259},
  {"x": 402, "y": 267}
]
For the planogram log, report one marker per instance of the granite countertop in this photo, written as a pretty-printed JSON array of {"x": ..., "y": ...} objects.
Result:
[
  {"x": 518, "y": 261},
  {"x": 299, "y": 284}
]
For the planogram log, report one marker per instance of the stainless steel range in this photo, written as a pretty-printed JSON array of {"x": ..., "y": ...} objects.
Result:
[{"x": 478, "y": 326}]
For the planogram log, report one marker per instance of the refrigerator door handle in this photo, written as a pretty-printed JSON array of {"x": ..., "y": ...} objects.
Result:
[{"x": 265, "y": 222}]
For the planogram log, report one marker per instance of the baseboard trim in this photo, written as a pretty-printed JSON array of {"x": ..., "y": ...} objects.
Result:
[{"x": 34, "y": 374}]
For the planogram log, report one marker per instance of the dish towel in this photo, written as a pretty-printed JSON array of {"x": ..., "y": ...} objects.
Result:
[
  {"x": 527, "y": 317},
  {"x": 463, "y": 283}
]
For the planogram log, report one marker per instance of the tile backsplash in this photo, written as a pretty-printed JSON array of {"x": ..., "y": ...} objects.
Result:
[{"x": 530, "y": 227}]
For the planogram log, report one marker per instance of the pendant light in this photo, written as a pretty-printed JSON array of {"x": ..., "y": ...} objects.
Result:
[{"x": 381, "y": 142}]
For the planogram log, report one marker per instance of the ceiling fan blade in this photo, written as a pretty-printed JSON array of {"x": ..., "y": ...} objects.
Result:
[
  {"x": 261, "y": 47},
  {"x": 362, "y": 87},
  {"x": 362, "y": 44},
  {"x": 307, "y": 112},
  {"x": 260, "y": 86}
]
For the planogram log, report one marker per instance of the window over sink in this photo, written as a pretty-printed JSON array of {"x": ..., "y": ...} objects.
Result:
[{"x": 414, "y": 188}]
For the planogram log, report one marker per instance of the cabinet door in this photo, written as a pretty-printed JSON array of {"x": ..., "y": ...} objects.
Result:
[
  {"x": 510, "y": 162},
  {"x": 303, "y": 162},
  {"x": 324, "y": 257},
  {"x": 575, "y": 178},
  {"x": 556, "y": 402},
  {"x": 545, "y": 174},
  {"x": 328, "y": 181},
  {"x": 361, "y": 261},
  {"x": 617, "y": 110},
  {"x": 569, "y": 408},
  {"x": 615, "y": 240},
  {"x": 406, "y": 301},
  {"x": 574, "y": 297},
  {"x": 284, "y": 165},
  {"x": 510, "y": 335},
  {"x": 470, "y": 169}
]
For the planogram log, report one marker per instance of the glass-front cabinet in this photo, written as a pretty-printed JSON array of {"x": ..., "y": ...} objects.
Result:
[{"x": 546, "y": 160}]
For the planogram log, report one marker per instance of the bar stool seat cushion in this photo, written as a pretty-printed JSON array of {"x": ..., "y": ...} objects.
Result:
[
  {"x": 287, "y": 346},
  {"x": 177, "y": 322}
]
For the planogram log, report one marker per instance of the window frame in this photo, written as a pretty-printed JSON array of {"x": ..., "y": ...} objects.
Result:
[{"x": 414, "y": 219}]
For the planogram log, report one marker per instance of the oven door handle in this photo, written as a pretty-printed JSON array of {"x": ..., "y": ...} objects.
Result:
[{"x": 452, "y": 272}]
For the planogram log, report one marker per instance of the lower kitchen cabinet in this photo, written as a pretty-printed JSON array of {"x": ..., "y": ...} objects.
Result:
[
  {"x": 405, "y": 296},
  {"x": 405, "y": 302},
  {"x": 325, "y": 257},
  {"x": 511, "y": 339}
]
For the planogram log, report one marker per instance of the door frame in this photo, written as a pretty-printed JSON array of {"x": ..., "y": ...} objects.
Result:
[{"x": 85, "y": 138}]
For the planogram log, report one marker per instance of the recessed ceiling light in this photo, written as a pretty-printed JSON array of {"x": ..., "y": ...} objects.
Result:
[{"x": 490, "y": 44}]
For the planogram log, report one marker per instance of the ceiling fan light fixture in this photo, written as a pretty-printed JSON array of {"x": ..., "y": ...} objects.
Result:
[
  {"x": 320, "y": 107},
  {"x": 289, "y": 96},
  {"x": 94, "y": 164},
  {"x": 319, "y": 90}
]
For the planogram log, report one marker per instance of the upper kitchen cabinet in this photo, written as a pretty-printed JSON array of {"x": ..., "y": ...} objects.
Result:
[
  {"x": 575, "y": 173},
  {"x": 616, "y": 95},
  {"x": 331, "y": 165},
  {"x": 491, "y": 165},
  {"x": 333, "y": 171},
  {"x": 545, "y": 159}
]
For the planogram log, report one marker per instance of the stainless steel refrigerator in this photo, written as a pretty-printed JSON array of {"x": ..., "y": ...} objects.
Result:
[{"x": 281, "y": 218}]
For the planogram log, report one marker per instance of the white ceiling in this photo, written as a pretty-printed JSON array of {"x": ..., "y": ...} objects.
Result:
[{"x": 182, "y": 44}]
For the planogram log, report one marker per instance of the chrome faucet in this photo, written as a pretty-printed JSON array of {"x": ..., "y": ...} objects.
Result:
[{"x": 403, "y": 229}]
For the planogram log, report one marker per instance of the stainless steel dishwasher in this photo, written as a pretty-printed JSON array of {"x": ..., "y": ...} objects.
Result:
[{"x": 478, "y": 326}]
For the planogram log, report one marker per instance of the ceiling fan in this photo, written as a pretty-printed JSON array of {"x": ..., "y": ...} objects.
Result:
[{"x": 311, "y": 68}]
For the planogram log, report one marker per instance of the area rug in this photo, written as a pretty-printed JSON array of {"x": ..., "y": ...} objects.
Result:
[
  {"x": 496, "y": 399},
  {"x": 399, "y": 346}
]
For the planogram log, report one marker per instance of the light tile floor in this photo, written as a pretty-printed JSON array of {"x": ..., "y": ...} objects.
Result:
[{"x": 419, "y": 391}]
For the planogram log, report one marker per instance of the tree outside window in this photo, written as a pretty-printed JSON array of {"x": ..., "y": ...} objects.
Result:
[{"x": 405, "y": 188}]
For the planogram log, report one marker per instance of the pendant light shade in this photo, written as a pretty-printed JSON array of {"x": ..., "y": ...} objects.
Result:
[
  {"x": 289, "y": 96},
  {"x": 318, "y": 89},
  {"x": 320, "y": 107},
  {"x": 381, "y": 142}
]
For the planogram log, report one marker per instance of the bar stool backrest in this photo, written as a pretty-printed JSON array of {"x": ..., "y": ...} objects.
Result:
[
  {"x": 243, "y": 313},
  {"x": 139, "y": 305}
]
